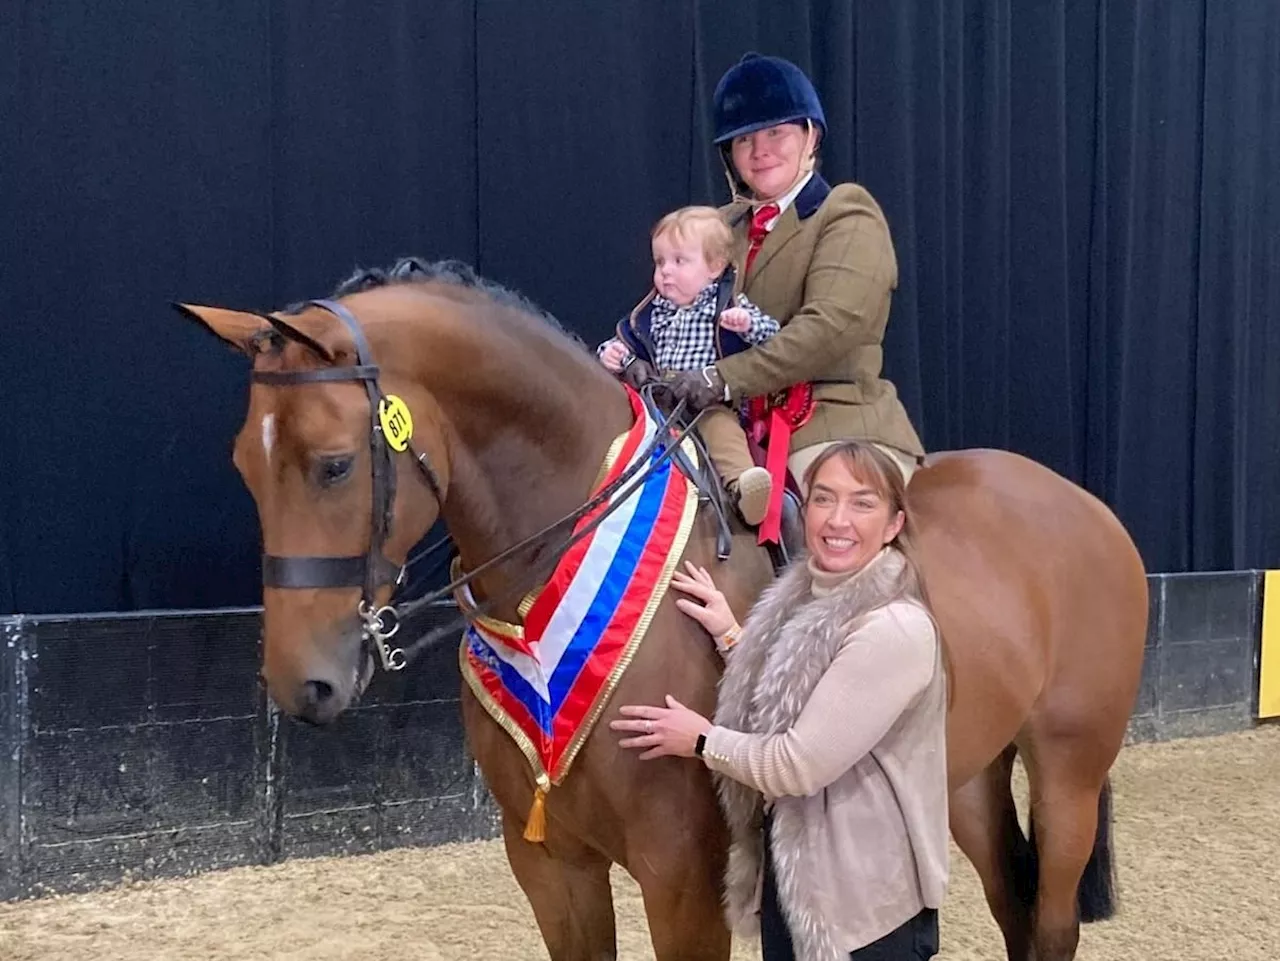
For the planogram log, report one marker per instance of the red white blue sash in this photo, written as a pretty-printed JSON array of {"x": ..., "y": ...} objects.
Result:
[{"x": 548, "y": 682}]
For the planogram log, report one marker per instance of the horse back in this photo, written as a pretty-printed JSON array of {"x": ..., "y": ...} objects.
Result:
[{"x": 1039, "y": 593}]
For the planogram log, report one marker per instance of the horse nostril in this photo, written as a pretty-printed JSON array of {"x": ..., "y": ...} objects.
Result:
[{"x": 315, "y": 693}]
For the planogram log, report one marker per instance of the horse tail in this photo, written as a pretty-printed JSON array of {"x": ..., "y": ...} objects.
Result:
[
  {"x": 1096, "y": 893},
  {"x": 1096, "y": 897}
]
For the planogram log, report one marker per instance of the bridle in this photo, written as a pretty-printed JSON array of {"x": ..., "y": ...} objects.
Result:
[{"x": 372, "y": 571}]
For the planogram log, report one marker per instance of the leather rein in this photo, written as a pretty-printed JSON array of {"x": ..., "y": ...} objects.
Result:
[{"x": 372, "y": 571}]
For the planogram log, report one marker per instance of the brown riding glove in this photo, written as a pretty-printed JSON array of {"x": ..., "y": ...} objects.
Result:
[
  {"x": 699, "y": 389},
  {"x": 637, "y": 373}
]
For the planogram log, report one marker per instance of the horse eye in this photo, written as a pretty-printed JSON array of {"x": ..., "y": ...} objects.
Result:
[{"x": 334, "y": 470}]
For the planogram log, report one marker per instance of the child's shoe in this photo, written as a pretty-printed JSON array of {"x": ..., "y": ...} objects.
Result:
[{"x": 752, "y": 493}]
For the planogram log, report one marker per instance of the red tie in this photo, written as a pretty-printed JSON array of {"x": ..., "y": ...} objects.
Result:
[{"x": 757, "y": 231}]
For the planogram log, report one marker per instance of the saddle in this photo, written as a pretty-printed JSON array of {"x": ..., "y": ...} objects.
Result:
[{"x": 706, "y": 479}]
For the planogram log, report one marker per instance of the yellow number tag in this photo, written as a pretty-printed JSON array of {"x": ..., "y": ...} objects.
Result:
[{"x": 397, "y": 422}]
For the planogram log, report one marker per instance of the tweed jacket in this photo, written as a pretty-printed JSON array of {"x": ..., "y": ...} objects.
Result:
[{"x": 827, "y": 272}]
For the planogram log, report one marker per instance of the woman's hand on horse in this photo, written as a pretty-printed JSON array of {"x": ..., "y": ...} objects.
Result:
[
  {"x": 713, "y": 613},
  {"x": 661, "y": 731}
]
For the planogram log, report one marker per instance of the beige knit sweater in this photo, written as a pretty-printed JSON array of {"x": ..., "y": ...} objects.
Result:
[{"x": 861, "y": 773}]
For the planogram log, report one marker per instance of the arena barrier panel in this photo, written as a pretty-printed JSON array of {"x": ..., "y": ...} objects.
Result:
[
  {"x": 1200, "y": 668},
  {"x": 140, "y": 745}
]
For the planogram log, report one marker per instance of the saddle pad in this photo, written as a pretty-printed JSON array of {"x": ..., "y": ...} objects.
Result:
[{"x": 547, "y": 683}]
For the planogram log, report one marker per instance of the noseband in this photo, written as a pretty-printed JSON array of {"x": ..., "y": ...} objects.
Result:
[{"x": 390, "y": 431}]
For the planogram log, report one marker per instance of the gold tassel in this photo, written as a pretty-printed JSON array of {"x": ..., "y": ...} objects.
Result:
[{"x": 535, "y": 828}]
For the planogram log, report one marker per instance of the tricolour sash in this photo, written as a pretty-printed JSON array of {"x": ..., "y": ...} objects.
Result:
[{"x": 548, "y": 682}]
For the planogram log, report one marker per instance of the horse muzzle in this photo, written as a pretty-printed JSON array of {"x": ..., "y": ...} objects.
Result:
[{"x": 319, "y": 688}]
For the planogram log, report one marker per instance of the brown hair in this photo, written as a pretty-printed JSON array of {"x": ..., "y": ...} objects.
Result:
[
  {"x": 704, "y": 223},
  {"x": 876, "y": 468},
  {"x": 872, "y": 466}
]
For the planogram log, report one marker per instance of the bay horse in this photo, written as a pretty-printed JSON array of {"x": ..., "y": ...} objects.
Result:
[{"x": 1039, "y": 591}]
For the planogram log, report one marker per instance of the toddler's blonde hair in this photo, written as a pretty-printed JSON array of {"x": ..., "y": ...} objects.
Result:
[{"x": 700, "y": 222}]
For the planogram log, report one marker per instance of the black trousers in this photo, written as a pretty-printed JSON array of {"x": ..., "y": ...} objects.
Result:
[{"x": 915, "y": 940}]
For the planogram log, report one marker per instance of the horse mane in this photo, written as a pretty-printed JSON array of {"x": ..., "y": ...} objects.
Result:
[{"x": 458, "y": 273}]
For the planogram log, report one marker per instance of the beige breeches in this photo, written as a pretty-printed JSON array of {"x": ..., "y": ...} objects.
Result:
[{"x": 726, "y": 443}]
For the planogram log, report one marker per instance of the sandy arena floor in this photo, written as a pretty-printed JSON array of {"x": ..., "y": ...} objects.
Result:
[{"x": 1197, "y": 828}]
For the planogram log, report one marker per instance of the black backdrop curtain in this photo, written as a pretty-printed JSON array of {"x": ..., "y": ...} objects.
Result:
[{"x": 1084, "y": 198}]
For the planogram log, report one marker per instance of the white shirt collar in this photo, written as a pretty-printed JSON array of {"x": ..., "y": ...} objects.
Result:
[{"x": 786, "y": 200}]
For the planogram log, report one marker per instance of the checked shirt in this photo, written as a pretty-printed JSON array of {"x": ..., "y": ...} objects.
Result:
[{"x": 684, "y": 338}]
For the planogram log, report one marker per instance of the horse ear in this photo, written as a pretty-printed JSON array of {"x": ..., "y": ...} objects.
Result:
[{"x": 239, "y": 329}]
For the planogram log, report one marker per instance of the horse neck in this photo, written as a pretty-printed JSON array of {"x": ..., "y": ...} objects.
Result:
[{"x": 529, "y": 419}]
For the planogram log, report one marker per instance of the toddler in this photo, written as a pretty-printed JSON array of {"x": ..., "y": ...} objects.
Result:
[{"x": 676, "y": 327}]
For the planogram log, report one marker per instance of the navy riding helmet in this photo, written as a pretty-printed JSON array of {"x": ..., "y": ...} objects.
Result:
[{"x": 759, "y": 92}]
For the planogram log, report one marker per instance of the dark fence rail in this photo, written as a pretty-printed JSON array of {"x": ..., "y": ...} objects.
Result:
[{"x": 140, "y": 745}]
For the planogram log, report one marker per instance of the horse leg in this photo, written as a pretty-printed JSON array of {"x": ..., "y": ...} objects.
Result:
[
  {"x": 1069, "y": 792},
  {"x": 984, "y": 823},
  {"x": 679, "y": 864},
  {"x": 567, "y": 885},
  {"x": 686, "y": 918}
]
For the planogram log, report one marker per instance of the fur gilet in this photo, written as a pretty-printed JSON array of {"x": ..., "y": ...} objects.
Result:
[{"x": 788, "y": 643}]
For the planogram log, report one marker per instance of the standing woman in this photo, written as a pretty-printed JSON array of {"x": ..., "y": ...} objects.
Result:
[
  {"x": 818, "y": 258},
  {"x": 829, "y": 741}
]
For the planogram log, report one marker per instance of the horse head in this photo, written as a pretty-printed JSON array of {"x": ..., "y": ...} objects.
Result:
[
  {"x": 364, "y": 414},
  {"x": 321, "y": 454}
]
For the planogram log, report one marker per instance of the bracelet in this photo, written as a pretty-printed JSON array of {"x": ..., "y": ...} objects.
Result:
[
  {"x": 729, "y": 637},
  {"x": 699, "y": 745}
]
